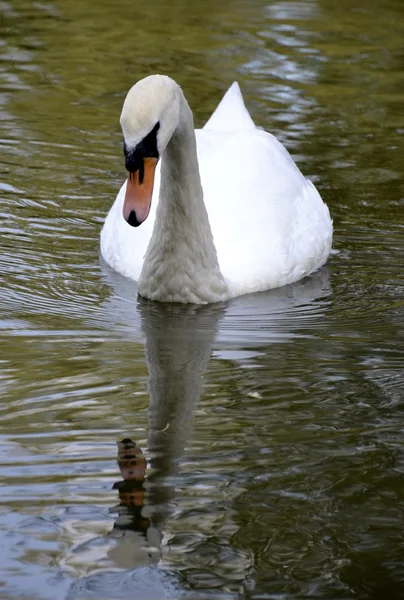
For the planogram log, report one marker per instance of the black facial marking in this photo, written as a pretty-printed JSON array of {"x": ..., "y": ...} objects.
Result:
[
  {"x": 141, "y": 172},
  {"x": 146, "y": 148}
]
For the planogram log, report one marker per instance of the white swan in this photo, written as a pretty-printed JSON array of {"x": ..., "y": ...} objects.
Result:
[{"x": 229, "y": 214}]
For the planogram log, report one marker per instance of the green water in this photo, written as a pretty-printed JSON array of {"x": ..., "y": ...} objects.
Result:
[{"x": 272, "y": 426}]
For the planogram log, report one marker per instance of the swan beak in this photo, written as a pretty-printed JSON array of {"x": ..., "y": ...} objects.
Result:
[{"x": 139, "y": 190}]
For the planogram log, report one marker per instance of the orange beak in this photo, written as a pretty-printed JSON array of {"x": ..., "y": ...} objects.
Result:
[{"x": 139, "y": 191}]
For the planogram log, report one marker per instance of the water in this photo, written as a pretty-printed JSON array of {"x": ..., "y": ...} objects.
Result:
[{"x": 272, "y": 426}]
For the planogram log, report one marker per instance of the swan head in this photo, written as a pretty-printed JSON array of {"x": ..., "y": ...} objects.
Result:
[{"x": 149, "y": 118}]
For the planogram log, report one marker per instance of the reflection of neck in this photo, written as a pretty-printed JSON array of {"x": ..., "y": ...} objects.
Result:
[
  {"x": 178, "y": 344},
  {"x": 181, "y": 262},
  {"x": 176, "y": 367}
]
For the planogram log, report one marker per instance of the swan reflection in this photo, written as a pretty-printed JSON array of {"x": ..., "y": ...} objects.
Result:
[
  {"x": 178, "y": 344},
  {"x": 134, "y": 557}
]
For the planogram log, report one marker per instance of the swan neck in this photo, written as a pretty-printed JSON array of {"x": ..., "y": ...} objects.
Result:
[
  {"x": 181, "y": 186},
  {"x": 181, "y": 262}
]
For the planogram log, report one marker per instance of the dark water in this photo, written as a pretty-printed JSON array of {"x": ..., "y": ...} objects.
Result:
[{"x": 272, "y": 426}]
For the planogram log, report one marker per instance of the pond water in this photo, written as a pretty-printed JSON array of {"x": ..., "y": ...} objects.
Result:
[{"x": 272, "y": 426}]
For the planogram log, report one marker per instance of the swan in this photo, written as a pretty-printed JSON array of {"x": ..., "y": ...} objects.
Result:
[{"x": 225, "y": 212}]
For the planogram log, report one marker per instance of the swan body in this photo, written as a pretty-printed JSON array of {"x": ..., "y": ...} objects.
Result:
[{"x": 230, "y": 212}]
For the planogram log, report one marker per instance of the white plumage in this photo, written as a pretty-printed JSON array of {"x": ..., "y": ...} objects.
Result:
[{"x": 269, "y": 224}]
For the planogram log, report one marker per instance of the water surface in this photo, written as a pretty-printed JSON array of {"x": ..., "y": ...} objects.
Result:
[{"x": 272, "y": 426}]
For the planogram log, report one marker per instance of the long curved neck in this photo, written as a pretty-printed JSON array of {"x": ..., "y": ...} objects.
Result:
[{"x": 181, "y": 262}]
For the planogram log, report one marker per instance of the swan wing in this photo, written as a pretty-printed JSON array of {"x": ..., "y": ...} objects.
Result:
[
  {"x": 231, "y": 113},
  {"x": 269, "y": 223}
]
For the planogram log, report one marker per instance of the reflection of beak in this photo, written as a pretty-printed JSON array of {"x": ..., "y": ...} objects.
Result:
[
  {"x": 132, "y": 463},
  {"x": 139, "y": 190}
]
